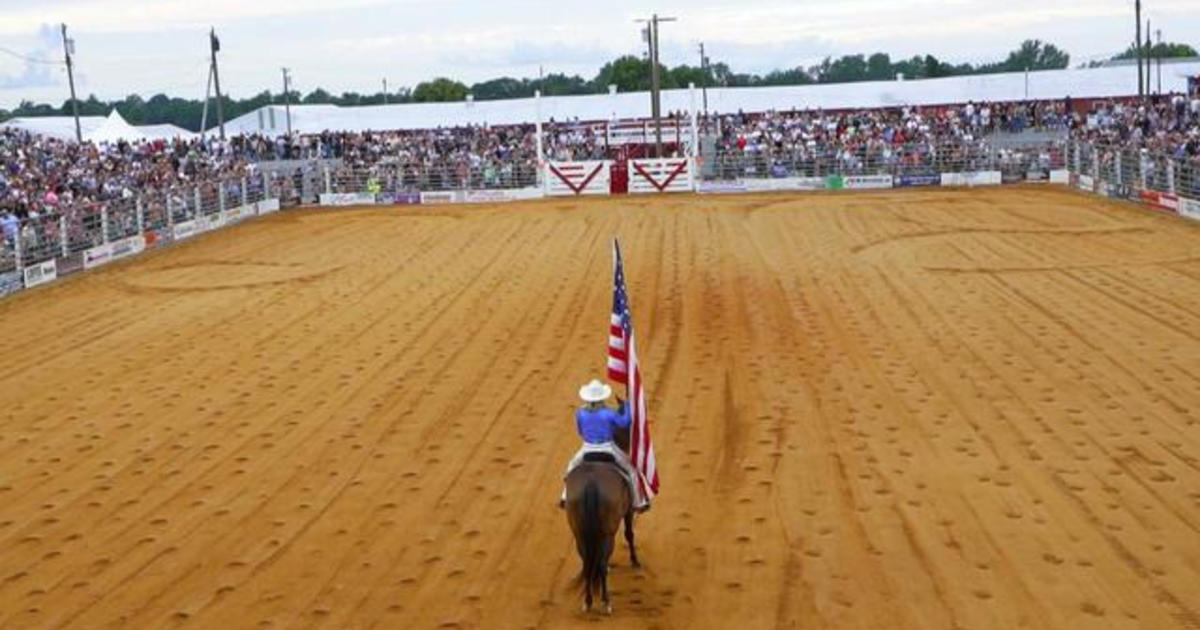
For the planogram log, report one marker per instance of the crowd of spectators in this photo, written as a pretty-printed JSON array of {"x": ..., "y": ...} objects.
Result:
[
  {"x": 42, "y": 176},
  {"x": 1167, "y": 125}
]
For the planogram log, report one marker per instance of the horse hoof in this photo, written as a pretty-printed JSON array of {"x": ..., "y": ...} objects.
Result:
[
  {"x": 584, "y": 608},
  {"x": 608, "y": 609}
]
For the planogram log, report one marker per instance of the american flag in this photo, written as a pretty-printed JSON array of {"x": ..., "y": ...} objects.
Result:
[{"x": 623, "y": 368}]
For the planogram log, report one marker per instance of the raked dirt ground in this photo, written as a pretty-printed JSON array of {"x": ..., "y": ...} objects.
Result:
[{"x": 910, "y": 409}]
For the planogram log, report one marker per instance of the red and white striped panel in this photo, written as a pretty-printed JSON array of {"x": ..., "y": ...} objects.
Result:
[
  {"x": 566, "y": 179},
  {"x": 660, "y": 175}
]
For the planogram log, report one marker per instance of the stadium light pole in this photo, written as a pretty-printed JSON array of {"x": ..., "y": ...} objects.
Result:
[
  {"x": 704, "y": 78},
  {"x": 68, "y": 48},
  {"x": 385, "y": 90},
  {"x": 287, "y": 102}
]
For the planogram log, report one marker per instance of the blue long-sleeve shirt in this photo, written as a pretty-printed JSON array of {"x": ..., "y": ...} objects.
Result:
[{"x": 596, "y": 426}]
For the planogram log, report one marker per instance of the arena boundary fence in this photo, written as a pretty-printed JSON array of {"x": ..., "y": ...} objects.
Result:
[
  {"x": 1160, "y": 182},
  {"x": 79, "y": 238},
  {"x": 896, "y": 167}
]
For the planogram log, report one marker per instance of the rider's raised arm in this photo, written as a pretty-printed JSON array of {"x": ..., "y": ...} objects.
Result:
[{"x": 621, "y": 417}]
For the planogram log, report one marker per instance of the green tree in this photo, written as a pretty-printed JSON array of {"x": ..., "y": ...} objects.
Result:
[
  {"x": 556, "y": 84},
  {"x": 1032, "y": 54},
  {"x": 317, "y": 97},
  {"x": 439, "y": 90},
  {"x": 1166, "y": 50},
  {"x": 504, "y": 87},
  {"x": 628, "y": 73},
  {"x": 795, "y": 76},
  {"x": 879, "y": 67}
]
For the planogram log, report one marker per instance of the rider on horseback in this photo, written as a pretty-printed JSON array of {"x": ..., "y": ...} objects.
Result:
[{"x": 597, "y": 424}]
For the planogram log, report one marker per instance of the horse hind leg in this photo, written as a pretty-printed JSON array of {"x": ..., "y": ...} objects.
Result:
[
  {"x": 633, "y": 559},
  {"x": 609, "y": 545}
]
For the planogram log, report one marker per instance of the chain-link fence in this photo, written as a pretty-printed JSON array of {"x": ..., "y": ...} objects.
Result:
[
  {"x": 1127, "y": 171},
  {"x": 818, "y": 160},
  {"x": 402, "y": 178},
  {"x": 65, "y": 234}
]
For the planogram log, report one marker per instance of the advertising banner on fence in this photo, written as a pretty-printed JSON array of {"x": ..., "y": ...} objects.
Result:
[
  {"x": 865, "y": 182},
  {"x": 565, "y": 179},
  {"x": 835, "y": 182},
  {"x": 209, "y": 222},
  {"x": 721, "y": 187},
  {"x": 398, "y": 199},
  {"x": 40, "y": 273},
  {"x": 69, "y": 264},
  {"x": 239, "y": 213},
  {"x": 912, "y": 181},
  {"x": 784, "y": 183},
  {"x": 127, "y": 247},
  {"x": 266, "y": 206},
  {"x": 11, "y": 282},
  {"x": 660, "y": 175},
  {"x": 1087, "y": 183},
  {"x": 1189, "y": 208},
  {"x": 501, "y": 195},
  {"x": 347, "y": 199},
  {"x": 184, "y": 229},
  {"x": 1160, "y": 200},
  {"x": 1060, "y": 176},
  {"x": 442, "y": 197},
  {"x": 96, "y": 256},
  {"x": 972, "y": 178}
]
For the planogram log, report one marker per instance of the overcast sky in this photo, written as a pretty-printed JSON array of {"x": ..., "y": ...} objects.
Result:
[{"x": 152, "y": 46}]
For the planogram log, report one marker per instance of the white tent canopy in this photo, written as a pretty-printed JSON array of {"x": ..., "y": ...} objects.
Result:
[
  {"x": 1013, "y": 86},
  {"x": 60, "y": 127},
  {"x": 164, "y": 132},
  {"x": 114, "y": 128}
]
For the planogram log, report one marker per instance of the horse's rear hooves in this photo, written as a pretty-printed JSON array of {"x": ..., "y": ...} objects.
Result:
[{"x": 608, "y": 609}]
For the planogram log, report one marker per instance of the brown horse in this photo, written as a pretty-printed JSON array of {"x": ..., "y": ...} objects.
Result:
[{"x": 597, "y": 501}]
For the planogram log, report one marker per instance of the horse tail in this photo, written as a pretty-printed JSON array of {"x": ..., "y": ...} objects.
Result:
[{"x": 592, "y": 550}]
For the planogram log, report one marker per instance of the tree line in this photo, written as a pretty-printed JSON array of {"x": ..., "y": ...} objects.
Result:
[{"x": 628, "y": 73}]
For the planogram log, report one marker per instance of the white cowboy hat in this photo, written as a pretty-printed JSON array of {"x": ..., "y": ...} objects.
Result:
[{"x": 595, "y": 391}]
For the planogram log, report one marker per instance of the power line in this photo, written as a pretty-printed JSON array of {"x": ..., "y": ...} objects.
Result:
[{"x": 18, "y": 55}]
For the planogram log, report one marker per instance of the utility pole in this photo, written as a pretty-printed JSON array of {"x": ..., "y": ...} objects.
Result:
[
  {"x": 287, "y": 102},
  {"x": 705, "y": 78},
  {"x": 214, "y": 45},
  {"x": 1137, "y": 12},
  {"x": 1149, "y": 52},
  {"x": 655, "y": 101},
  {"x": 1158, "y": 59},
  {"x": 68, "y": 49},
  {"x": 385, "y": 90}
]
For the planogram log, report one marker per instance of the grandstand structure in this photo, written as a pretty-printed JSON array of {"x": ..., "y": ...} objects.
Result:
[
  {"x": 861, "y": 135},
  {"x": 1082, "y": 84}
]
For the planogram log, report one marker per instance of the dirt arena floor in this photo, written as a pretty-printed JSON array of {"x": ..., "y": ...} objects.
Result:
[{"x": 917, "y": 409}]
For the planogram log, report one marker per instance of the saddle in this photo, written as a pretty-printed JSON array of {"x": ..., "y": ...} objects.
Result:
[{"x": 599, "y": 457}]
